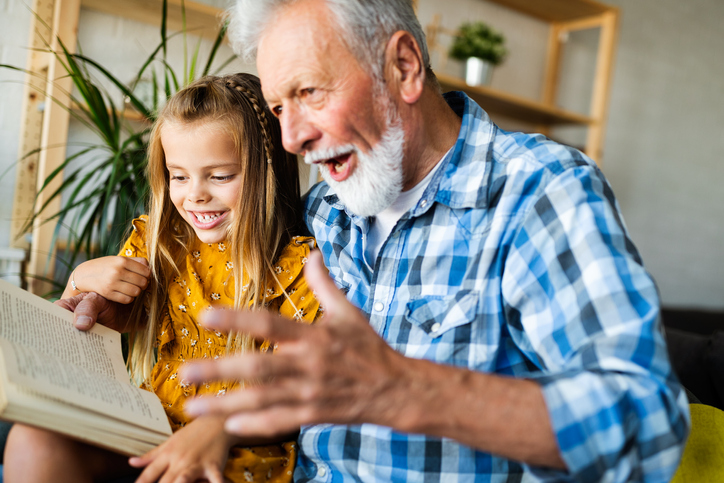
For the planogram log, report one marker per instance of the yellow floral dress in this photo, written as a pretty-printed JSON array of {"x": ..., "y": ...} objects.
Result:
[{"x": 206, "y": 279}]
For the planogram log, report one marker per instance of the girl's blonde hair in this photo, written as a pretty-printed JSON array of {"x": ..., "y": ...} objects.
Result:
[{"x": 269, "y": 201}]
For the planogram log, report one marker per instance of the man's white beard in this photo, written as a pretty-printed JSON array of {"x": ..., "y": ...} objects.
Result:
[{"x": 377, "y": 179}]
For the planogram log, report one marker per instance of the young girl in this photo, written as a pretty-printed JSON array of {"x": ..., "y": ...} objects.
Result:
[{"x": 224, "y": 208}]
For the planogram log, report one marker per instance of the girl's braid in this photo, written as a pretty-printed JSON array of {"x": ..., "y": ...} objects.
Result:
[{"x": 260, "y": 115}]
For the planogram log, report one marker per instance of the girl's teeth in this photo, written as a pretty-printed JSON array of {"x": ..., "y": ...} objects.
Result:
[{"x": 206, "y": 218}]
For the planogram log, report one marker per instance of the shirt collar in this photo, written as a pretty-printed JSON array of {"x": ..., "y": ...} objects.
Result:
[{"x": 460, "y": 180}]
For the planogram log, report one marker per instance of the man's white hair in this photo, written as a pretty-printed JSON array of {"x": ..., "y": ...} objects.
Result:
[{"x": 364, "y": 25}]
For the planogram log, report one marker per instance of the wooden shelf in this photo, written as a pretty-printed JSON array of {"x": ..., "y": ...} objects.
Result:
[
  {"x": 510, "y": 105},
  {"x": 201, "y": 19},
  {"x": 562, "y": 17},
  {"x": 556, "y": 10}
]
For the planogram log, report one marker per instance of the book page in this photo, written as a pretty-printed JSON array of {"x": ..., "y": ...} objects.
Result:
[
  {"x": 48, "y": 375},
  {"x": 33, "y": 322}
]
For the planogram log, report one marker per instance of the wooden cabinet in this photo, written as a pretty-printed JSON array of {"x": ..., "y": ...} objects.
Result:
[{"x": 563, "y": 17}]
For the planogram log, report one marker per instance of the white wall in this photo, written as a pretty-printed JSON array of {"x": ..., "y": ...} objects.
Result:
[{"x": 663, "y": 142}]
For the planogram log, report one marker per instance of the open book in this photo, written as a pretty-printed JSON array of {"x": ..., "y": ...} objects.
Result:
[{"x": 56, "y": 377}]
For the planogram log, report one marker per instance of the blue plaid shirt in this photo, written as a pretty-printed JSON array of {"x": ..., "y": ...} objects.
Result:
[{"x": 515, "y": 261}]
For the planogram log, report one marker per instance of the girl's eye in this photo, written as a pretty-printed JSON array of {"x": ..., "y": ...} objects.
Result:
[
  {"x": 178, "y": 178},
  {"x": 223, "y": 178},
  {"x": 277, "y": 110}
]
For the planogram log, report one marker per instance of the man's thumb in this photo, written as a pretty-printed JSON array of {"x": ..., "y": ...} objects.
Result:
[
  {"x": 318, "y": 279},
  {"x": 87, "y": 311}
]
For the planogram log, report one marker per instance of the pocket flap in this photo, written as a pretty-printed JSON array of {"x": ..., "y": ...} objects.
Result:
[{"x": 436, "y": 315}]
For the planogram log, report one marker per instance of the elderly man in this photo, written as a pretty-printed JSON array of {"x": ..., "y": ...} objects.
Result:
[{"x": 487, "y": 316}]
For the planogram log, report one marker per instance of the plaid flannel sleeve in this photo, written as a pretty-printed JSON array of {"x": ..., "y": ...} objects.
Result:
[{"x": 578, "y": 295}]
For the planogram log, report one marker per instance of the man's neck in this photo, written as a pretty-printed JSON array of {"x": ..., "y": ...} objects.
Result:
[{"x": 437, "y": 131}]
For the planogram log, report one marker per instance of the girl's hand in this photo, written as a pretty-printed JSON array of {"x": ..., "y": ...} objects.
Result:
[
  {"x": 197, "y": 451},
  {"x": 118, "y": 279}
]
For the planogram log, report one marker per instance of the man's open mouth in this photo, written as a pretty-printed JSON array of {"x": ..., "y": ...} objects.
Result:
[{"x": 339, "y": 167}]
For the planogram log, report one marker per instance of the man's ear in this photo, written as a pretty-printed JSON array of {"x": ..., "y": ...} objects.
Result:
[{"x": 404, "y": 67}]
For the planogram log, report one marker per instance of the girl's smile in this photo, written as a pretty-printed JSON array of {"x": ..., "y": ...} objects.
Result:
[
  {"x": 208, "y": 220},
  {"x": 204, "y": 181}
]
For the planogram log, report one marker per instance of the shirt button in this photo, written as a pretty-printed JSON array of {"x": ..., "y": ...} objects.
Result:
[
  {"x": 322, "y": 471},
  {"x": 435, "y": 327},
  {"x": 423, "y": 203},
  {"x": 379, "y": 306}
]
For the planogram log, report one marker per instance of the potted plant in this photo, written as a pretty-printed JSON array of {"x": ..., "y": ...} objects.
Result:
[{"x": 481, "y": 47}]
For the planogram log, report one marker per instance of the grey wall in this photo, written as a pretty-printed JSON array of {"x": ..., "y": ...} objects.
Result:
[
  {"x": 662, "y": 148},
  {"x": 664, "y": 143}
]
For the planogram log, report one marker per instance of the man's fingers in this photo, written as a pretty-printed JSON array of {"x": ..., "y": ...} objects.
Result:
[
  {"x": 286, "y": 413},
  {"x": 69, "y": 304},
  {"x": 329, "y": 296},
  {"x": 268, "y": 422},
  {"x": 251, "y": 367},
  {"x": 87, "y": 310},
  {"x": 283, "y": 391},
  {"x": 261, "y": 324}
]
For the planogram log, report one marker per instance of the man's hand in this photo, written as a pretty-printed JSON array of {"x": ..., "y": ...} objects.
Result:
[
  {"x": 89, "y": 308},
  {"x": 337, "y": 371},
  {"x": 340, "y": 371}
]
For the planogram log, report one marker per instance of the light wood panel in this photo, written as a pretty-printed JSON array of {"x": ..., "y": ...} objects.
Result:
[
  {"x": 556, "y": 10},
  {"x": 201, "y": 19},
  {"x": 54, "y": 138},
  {"x": 31, "y": 122},
  {"x": 510, "y": 105}
]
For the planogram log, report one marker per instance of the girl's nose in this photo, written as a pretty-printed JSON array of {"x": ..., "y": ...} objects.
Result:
[{"x": 198, "y": 192}]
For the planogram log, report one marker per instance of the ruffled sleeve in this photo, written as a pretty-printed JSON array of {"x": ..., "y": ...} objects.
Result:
[{"x": 135, "y": 245}]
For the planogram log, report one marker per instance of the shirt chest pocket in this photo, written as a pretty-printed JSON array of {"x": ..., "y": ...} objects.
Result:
[{"x": 436, "y": 315}]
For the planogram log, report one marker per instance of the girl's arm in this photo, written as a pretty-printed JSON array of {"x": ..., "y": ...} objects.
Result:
[
  {"x": 197, "y": 451},
  {"x": 118, "y": 279}
]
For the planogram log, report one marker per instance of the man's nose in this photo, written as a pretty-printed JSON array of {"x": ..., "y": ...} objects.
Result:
[{"x": 298, "y": 132}]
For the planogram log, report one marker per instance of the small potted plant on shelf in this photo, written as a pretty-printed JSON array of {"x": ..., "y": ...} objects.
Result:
[{"x": 481, "y": 48}]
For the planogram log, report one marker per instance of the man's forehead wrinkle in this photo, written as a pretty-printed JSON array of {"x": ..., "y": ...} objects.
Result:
[{"x": 313, "y": 59}]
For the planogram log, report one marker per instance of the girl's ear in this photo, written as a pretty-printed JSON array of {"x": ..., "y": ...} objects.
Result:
[{"x": 404, "y": 68}]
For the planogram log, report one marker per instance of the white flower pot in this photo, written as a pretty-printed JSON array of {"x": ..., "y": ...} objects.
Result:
[{"x": 478, "y": 72}]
